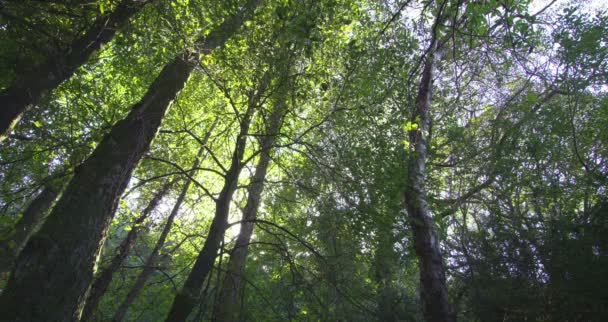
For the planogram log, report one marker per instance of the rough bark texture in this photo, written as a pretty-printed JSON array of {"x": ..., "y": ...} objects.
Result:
[
  {"x": 186, "y": 299},
  {"x": 31, "y": 220},
  {"x": 103, "y": 280},
  {"x": 229, "y": 299},
  {"x": 30, "y": 87},
  {"x": 62, "y": 255},
  {"x": 433, "y": 287}
]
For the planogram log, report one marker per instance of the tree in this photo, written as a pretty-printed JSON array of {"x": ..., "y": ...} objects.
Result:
[
  {"x": 432, "y": 274},
  {"x": 369, "y": 161},
  {"x": 151, "y": 262},
  {"x": 64, "y": 243},
  {"x": 228, "y": 300},
  {"x": 185, "y": 300}
]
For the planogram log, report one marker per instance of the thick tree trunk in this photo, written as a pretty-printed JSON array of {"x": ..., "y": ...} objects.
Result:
[
  {"x": 31, "y": 220},
  {"x": 433, "y": 287},
  {"x": 228, "y": 303},
  {"x": 63, "y": 254},
  {"x": 30, "y": 87},
  {"x": 186, "y": 299},
  {"x": 103, "y": 280}
]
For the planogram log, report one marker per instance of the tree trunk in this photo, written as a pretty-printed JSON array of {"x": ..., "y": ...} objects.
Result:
[
  {"x": 62, "y": 255},
  {"x": 103, "y": 280},
  {"x": 149, "y": 266},
  {"x": 433, "y": 287},
  {"x": 186, "y": 299},
  {"x": 32, "y": 218},
  {"x": 29, "y": 88},
  {"x": 229, "y": 298}
]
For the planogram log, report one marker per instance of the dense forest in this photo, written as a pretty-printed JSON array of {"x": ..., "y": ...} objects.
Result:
[{"x": 303, "y": 160}]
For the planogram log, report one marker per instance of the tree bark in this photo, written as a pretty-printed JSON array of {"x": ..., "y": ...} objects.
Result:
[
  {"x": 32, "y": 218},
  {"x": 29, "y": 88},
  {"x": 433, "y": 287},
  {"x": 229, "y": 298},
  {"x": 62, "y": 255},
  {"x": 103, "y": 280},
  {"x": 186, "y": 299}
]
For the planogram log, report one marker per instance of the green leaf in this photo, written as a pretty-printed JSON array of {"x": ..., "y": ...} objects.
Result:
[{"x": 409, "y": 126}]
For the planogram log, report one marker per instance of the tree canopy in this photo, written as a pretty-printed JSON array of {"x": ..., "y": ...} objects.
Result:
[{"x": 303, "y": 160}]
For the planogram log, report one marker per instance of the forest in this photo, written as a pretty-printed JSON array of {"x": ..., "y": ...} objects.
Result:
[{"x": 303, "y": 160}]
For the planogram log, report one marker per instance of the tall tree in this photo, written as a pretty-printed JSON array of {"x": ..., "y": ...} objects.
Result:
[
  {"x": 63, "y": 253},
  {"x": 498, "y": 197},
  {"x": 186, "y": 299},
  {"x": 433, "y": 287},
  {"x": 30, "y": 87},
  {"x": 229, "y": 297}
]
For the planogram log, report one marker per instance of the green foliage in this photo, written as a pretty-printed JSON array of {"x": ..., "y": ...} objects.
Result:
[{"x": 516, "y": 172}]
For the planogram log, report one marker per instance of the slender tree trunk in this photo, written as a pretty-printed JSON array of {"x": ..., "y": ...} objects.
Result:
[
  {"x": 149, "y": 266},
  {"x": 229, "y": 299},
  {"x": 186, "y": 299},
  {"x": 30, "y": 87},
  {"x": 31, "y": 220},
  {"x": 228, "y": 304},
  {"x": 433, "y": 287},
  {"x": 103, "y": 280}
]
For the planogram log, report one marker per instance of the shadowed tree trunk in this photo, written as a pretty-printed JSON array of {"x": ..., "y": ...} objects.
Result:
[
  {"x": 30, "y": 87},
  {"x": 103, "y": 280},
  {"x": 186, "y": 299},
  {"x": 62, "y": 255},
  {"x": 229, "y": 299},
  {"x": 149, "y": 266},
  {"x": 30, "y": 221},
  {"x": 433, "y": 287}
]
